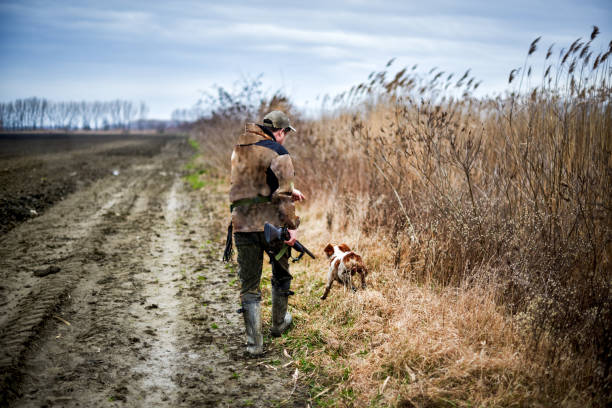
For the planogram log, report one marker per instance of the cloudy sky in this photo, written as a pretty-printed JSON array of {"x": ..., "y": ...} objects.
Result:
[{"x": 167, "y": 52}]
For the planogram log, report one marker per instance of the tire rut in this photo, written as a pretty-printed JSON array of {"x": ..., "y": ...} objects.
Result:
[{"x": 26, "y": 314}]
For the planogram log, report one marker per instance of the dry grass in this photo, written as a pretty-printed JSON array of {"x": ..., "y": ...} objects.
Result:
[
  {"x": 426, "y": 344},
  {"x": 486, "y": 225}
]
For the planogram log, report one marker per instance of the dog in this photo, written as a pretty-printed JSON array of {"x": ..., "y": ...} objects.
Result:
[{"x": 343, "y": 265}]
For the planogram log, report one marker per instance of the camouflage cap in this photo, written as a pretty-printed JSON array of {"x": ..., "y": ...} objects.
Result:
[{"x": 277, "y": 119}]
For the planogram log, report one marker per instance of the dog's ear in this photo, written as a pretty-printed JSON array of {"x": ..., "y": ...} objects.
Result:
[
  {"x": 344, "y": 247},
  {"x": 329, "y": 250}
]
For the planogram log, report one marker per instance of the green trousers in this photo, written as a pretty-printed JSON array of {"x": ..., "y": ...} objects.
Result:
[{"x": 251, "y": 247}]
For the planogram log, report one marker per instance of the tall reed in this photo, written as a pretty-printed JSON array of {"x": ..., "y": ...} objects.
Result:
[{"x": 509, "y": 193}]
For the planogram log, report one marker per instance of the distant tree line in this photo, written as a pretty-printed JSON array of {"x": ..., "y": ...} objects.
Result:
[{"x": 40, "y": 113}]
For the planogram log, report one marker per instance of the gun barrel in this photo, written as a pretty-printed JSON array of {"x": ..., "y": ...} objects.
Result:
[{"x": 301, "y": 248}]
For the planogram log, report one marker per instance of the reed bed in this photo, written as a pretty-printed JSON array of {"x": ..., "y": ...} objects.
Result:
[{"x": 486, "y": 224}]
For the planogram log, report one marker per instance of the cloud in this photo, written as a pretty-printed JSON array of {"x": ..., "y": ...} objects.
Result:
[{"x": 167, "y": 48}]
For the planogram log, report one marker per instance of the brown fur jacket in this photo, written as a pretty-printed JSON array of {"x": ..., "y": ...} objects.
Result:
[{"x": 261, "y": 167}]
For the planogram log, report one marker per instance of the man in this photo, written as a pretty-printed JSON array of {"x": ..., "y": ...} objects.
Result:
[{"x": 262, "y": 191}]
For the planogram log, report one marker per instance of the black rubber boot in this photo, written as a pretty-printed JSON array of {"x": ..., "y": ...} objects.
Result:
[
  {"x": 252, "y": 322},
  {"x": 281, "y": 318}
]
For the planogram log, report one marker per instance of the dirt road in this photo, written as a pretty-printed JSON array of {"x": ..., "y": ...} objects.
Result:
[{"x": 116, "y": 296}]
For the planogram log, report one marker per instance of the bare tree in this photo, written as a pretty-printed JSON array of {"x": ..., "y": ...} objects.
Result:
[
  {"x": 142, "y": 114},
  {"x": 128, "y": 113},
  {"x": 115, "y": 113}
]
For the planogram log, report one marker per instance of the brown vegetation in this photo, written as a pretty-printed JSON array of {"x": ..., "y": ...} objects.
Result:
[{"x": 486, "y": 224}]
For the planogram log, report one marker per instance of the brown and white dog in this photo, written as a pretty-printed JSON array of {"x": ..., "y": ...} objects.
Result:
[{"x": 343, "y": 265}]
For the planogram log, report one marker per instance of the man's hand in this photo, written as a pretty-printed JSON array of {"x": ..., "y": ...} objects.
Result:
[
  {"x": 296, "y": 195},
  {"x": 293, "y": 234}
]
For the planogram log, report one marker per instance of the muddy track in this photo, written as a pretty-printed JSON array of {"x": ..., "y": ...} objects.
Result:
[
  {"x": 36, "y": 171},
  {"x": 136, "y": 308}
]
